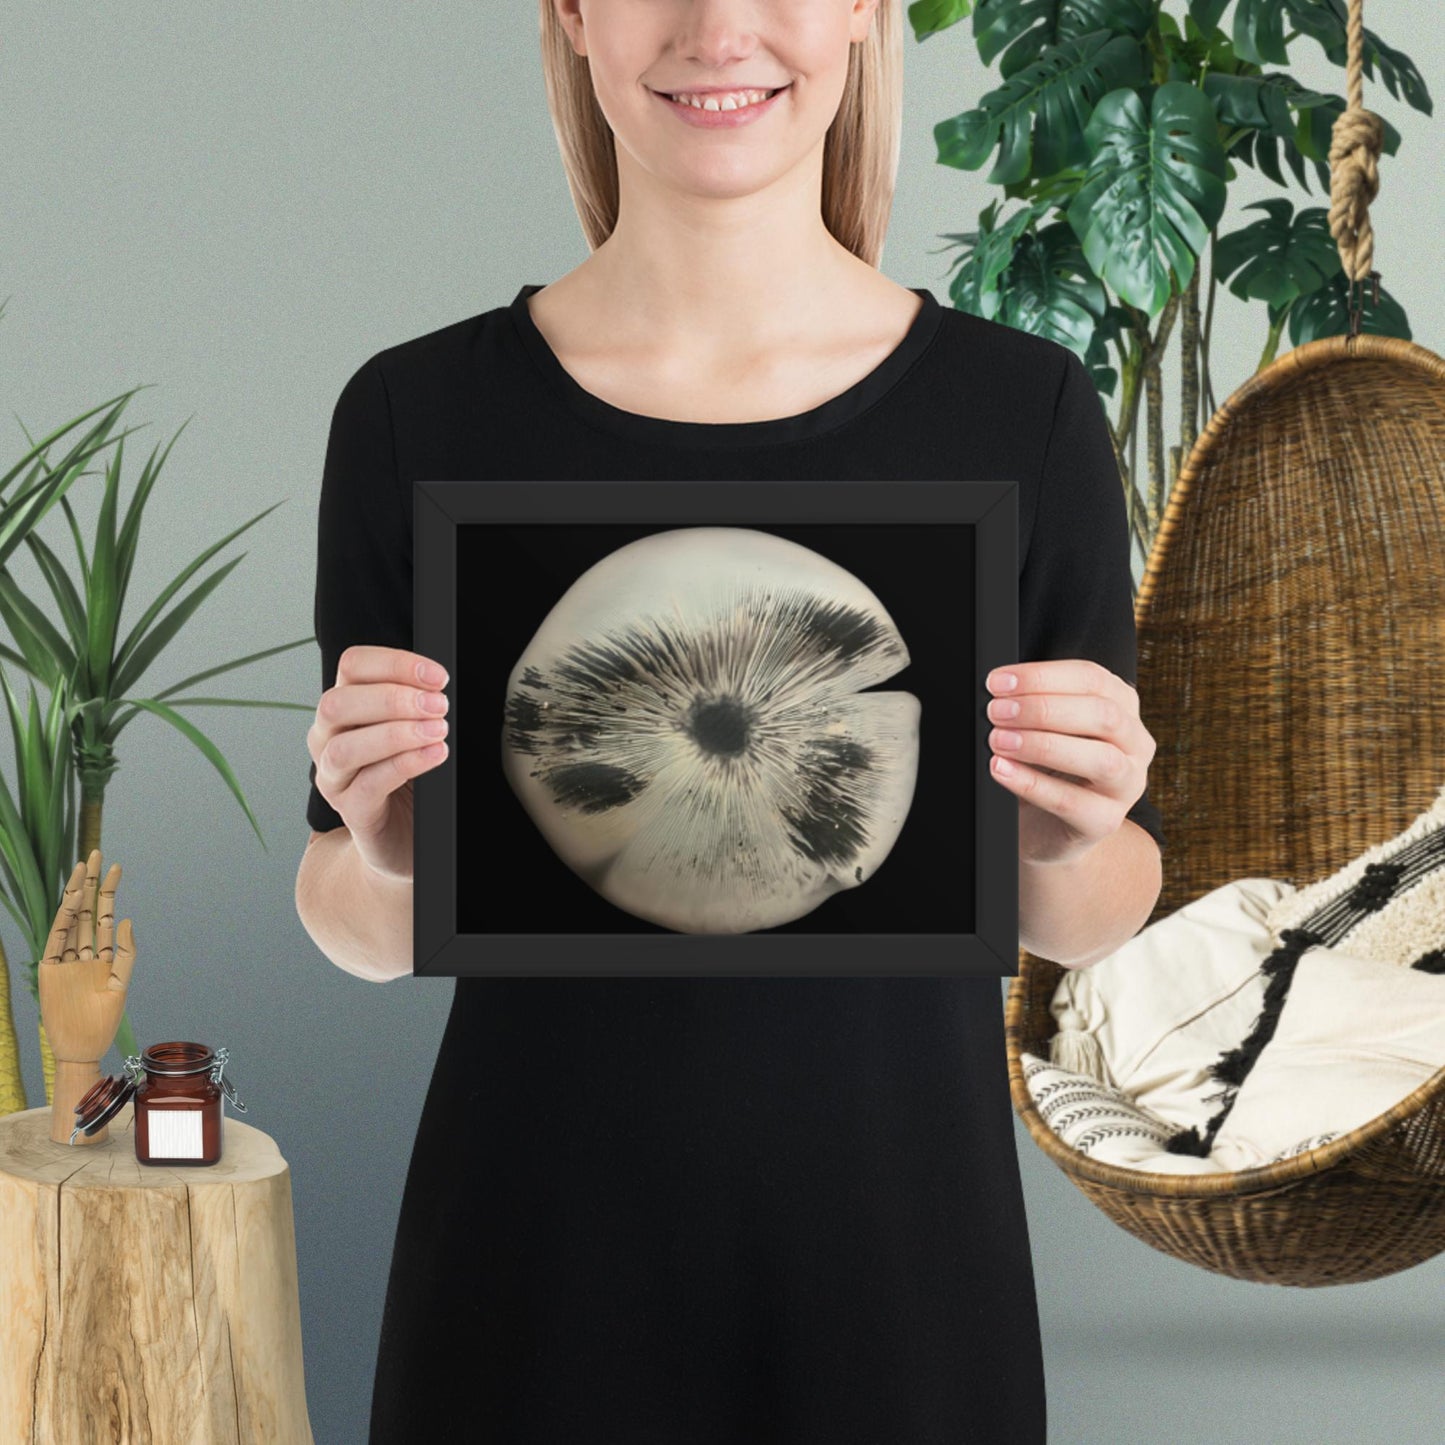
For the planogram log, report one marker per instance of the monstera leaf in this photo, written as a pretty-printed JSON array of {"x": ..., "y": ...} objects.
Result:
[
  {"x": 1261, "y": 102},
  {"x": 1280, "y": 256},
  {"x": 1326, "y": 312},
  {"x": 1154, "y": 189},
  {"x": 1259, "y": 32},
  {"x": 1325, "y": 22},
  {"x": 1037, "y": 117},
  {"x": 987, "y": 255},
  {"x": 1035, "y": 280},
  {"x": 1024, "y": 29},
  {"x": 928, "y": 17}
]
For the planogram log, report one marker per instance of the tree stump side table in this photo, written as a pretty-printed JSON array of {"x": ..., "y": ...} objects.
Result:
[{"x": 147, "y": 1305}]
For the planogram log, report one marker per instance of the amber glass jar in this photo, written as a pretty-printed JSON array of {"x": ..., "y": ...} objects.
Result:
[{"x": 178, "y": 1088}]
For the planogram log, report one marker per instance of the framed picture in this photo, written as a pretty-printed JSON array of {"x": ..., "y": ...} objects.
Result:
[{"x": 716, "y": 727}]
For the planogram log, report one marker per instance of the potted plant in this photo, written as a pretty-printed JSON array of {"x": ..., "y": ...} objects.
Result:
[
  {"x": 1115, "y": 135},
  {"x": 93, "y": 674}
]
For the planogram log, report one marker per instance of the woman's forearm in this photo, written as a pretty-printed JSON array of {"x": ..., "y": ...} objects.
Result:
[
  {"x": 359, "y": 920},
  {"x": 1079, "y": 913}
]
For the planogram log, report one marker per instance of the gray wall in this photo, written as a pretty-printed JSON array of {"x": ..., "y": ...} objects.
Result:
[{"x": 242, "y": 209}]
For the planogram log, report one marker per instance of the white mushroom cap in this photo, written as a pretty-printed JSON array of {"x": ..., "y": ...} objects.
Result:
[{"x": 686, "y": 729}]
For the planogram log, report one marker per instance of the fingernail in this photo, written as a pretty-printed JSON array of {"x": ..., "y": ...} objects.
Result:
[
  {"x": 1003, "y": 681},
  {"x": 430, "y": 672}
]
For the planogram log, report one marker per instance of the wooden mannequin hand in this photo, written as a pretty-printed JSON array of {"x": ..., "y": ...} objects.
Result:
[
  {"x": 84, "y": 974},
  {"x": 83, "y": 980}
]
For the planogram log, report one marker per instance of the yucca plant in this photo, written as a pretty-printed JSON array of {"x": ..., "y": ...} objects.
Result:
[
  {"x": 1117, "y": 130},
  {"x": 85, "y": 659},
  {"x": 36, "y": 831}
]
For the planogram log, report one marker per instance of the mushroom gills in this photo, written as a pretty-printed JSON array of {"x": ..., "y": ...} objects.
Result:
[{"x": 686, "y": 728}]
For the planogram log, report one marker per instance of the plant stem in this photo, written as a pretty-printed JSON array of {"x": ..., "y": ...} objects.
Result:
[
  {"x": 1271, "y": 345},
  {"x": 1209, "y": 325},
  {"x": 1189, "y": 366},
  {"x": 1154, "y": 402},
  {"x": 12, "y": 1082}
]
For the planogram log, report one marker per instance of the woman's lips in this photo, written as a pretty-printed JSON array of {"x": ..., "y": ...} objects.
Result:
[{"x": 721, "y": 118}]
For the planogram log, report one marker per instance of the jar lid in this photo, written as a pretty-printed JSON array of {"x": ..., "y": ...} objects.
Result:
[
  {"x": 102, "y": 1102},
  {"x": 180, "y": 1057}
]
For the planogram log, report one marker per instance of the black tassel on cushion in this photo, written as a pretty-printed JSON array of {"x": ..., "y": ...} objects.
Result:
[
  {"x": 1375, "y": 886},
  {"x": 1233, "y": 1066},
  {"x": 1187, "y": 1141}
]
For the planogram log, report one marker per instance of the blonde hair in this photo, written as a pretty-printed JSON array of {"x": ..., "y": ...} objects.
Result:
[{"x": 860, "y": 150}]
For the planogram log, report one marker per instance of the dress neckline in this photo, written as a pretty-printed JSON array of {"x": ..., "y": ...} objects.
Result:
[{"x": 639, "y": 426}]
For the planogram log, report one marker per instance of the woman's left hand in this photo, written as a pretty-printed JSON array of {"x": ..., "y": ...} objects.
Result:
[{"x": 1076, "y": 751}]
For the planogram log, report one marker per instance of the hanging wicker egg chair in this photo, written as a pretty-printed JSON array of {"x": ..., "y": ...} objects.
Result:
[{"x": 1291, "y": 626}]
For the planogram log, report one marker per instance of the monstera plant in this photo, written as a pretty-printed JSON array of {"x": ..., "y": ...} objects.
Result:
[{"x": 1115, "y": 134}]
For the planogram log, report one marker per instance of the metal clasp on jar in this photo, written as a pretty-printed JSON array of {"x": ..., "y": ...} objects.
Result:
[{"x": 227, "y": 1087}]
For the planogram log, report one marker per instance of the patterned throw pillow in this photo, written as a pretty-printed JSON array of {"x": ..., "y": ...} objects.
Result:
[
  {"x": 1106, "y": 1124},
  {"x": 1096, "y": 1118},
  {"x": 1387, "y": 905}
]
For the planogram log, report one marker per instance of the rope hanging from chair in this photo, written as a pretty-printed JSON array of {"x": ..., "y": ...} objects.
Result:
[{"x": 1357, "y": 139}]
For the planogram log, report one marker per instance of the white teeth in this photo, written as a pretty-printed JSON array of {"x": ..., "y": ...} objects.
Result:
[{"x": 732, "y": 100}]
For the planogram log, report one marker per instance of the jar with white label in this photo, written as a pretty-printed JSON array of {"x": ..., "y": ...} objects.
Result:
[{"x": 178, "y": 1090}]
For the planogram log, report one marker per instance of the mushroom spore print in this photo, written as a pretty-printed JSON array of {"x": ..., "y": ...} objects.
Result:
[{"x": 688, "y": 729}]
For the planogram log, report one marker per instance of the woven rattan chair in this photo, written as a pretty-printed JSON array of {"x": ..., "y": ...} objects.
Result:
[{"x": 1291, "y": 628}]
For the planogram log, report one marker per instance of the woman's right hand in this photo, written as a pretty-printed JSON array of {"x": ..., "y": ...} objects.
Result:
[{"x": 368, "y": 743}]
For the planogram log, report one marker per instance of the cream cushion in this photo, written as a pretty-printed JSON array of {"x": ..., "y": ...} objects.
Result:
[
  {"x": 1166, "y": 1004},
  {"x": 1355, "y": 1037}
]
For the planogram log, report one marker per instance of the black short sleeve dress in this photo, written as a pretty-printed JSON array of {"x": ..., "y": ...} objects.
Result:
[{"x": 719, "y": 1211}]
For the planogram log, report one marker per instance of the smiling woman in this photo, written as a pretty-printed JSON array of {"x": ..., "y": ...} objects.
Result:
[
  {"x": 720, "y": 1210},
  {"x": 838, "y": 64}
]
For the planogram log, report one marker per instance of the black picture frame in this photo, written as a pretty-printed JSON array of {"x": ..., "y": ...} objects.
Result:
[{"x": 486, "y": 545}]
